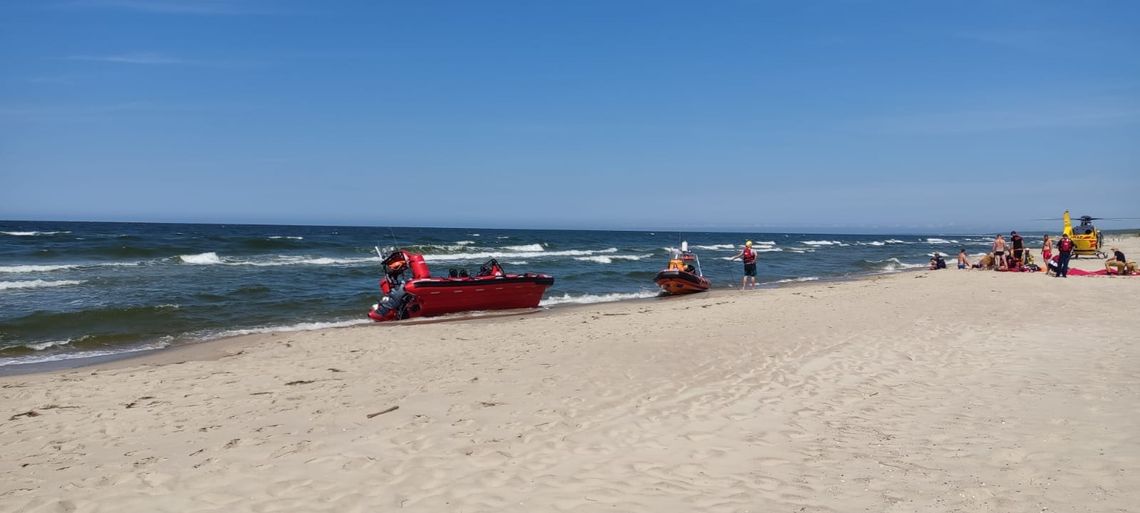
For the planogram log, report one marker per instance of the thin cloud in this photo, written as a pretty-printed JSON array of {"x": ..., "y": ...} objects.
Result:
[
  {"x": 144, "y": 58},
  {"x": 195, "y": 7},
  {"x": 979, "y": 121},
  {"x": 1019, "y": 39}
]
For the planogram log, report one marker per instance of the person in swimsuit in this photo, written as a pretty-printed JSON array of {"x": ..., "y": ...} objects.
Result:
[
  {"x": 963, "y": 262},
  {"x": 1046, "y": 249},
  {"x": 999, "y": 253}
]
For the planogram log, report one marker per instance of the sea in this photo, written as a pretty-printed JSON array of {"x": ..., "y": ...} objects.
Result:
[{"x": 75, "y": 292}]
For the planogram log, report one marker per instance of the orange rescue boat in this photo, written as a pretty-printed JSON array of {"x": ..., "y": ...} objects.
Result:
[{"x": 683, "y": 274}]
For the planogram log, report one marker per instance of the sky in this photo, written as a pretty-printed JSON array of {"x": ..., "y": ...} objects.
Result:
[{"x": 832, "y": 116}]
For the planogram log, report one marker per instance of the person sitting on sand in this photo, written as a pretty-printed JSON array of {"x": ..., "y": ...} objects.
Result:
[
  {"x": 963, "y": 262},
  {"x": 747, "y": 256},
  {"x": 1120, "y": 263},
  {"x": 986, "y": 262},
  {"x": 936, "y": 262}
]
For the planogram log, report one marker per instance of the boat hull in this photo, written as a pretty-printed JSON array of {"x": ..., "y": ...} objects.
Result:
[
  {"x": 440, "y": 296},
  {"x": 681, "y": 282}
]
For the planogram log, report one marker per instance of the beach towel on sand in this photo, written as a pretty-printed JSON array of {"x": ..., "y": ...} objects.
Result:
[{"x": 1101, "y": 272}]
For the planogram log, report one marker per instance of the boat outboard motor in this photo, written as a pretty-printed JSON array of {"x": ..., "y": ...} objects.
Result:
[{"x": 396, "y": 301}]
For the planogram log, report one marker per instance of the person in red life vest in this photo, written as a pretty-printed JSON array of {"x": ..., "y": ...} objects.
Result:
[
  {"x": 1065, "y": 248},
  {"x": 749, "y": 258}
]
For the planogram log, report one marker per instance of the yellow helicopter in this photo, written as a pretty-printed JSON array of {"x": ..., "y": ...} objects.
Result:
[{"x": 1087, "y": 239}]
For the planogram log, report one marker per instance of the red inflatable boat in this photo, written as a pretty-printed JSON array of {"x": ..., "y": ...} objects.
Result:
[{"x": 421, "y": 295}]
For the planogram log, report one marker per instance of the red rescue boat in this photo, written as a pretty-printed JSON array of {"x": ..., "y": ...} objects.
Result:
[
  {"x": 421, "y": 295},
  {"x": 683, "y": 274}
]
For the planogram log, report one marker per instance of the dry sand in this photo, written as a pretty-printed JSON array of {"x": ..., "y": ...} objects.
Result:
[{"x": 928, "y": 391}]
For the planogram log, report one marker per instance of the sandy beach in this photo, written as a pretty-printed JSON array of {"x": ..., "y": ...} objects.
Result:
[{"x": 944, "y": 390}]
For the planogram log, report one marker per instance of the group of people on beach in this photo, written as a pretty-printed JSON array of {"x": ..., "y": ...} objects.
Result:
[{"x": 1014, "y": 256}]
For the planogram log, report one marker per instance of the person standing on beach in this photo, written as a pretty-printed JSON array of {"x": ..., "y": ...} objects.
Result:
[
  {"x": 1046, "y": 250},
  {"x": 747, "y": 256},
  {"x": 1065, "y": 248},
  {"x": 1018, "y": 246},
  {"x": 999, "y": 252}
]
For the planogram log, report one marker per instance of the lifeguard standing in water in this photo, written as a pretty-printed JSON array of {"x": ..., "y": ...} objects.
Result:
[{"x": 749, "y": 258}]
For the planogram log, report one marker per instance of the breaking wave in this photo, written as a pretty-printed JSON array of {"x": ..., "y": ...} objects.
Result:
[
  {"x": 609, "y": 259},
  {"x": 209, "y": 258},
  {"x": 714, "y": 247},
  {"x": 596, "y": 298},
  {"x": 889, "y": 265},
  {"x": 304, "y": 326},
  {"x": 484, "y": 255},
  {"x": 525, "y": 247},
  {"x": 32, "y": 234},
  {"x": 36, "y": 284},
  {"x": 798, "y": 280},
  {"x": 23, "y": 360}
]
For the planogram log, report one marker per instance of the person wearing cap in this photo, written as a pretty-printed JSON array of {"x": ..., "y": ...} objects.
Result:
[
  {"x": 1120, "y": 263},
  {"x": 749, "y": 258}
]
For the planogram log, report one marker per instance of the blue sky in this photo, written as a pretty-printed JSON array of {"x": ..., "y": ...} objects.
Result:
[{"x": 827, "y": 116}]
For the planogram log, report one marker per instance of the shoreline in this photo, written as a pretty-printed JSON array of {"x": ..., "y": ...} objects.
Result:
[{"x": 214, "y": 348}]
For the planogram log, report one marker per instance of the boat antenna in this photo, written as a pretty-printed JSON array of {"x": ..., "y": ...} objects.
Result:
[{"x": 395, "y": 245}]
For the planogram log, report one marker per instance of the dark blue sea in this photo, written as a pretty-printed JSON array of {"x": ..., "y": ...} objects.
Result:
[{"x": 72, "y": 291}]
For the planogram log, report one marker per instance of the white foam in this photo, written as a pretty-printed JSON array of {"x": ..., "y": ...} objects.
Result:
[
  {"x": 31, "y": 234},
  {"x": 44, "y": 345},
  {"x": 594, "y": 298},
  {"x": 609, "y": 259},
  {"x": 36, "y": 284},
  {"x": 301, "y": 260},
  {"x": 896, "y": 241},
  {"x": 797, "y": 280},
  {"x": 464, "y": 242},
  {"x": 714, "y": 247},
  {"x": 61, "y": 267},
  {"x": 525, "y": 247},
  {"x": 823, "y": 243},
  {"x": 873, "y": 243},
  {"x": 895, "y": 265},
  {"x": 22, "y": 360},
  {"x": 210, "y": 258},
  {"x": 304, "y": 326},
  {"x": 34, "y": 268},
  {"x": 484, "y": 255},
  {"x": 286, "y": 237},
  {"x": 935, "y": 240}
]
